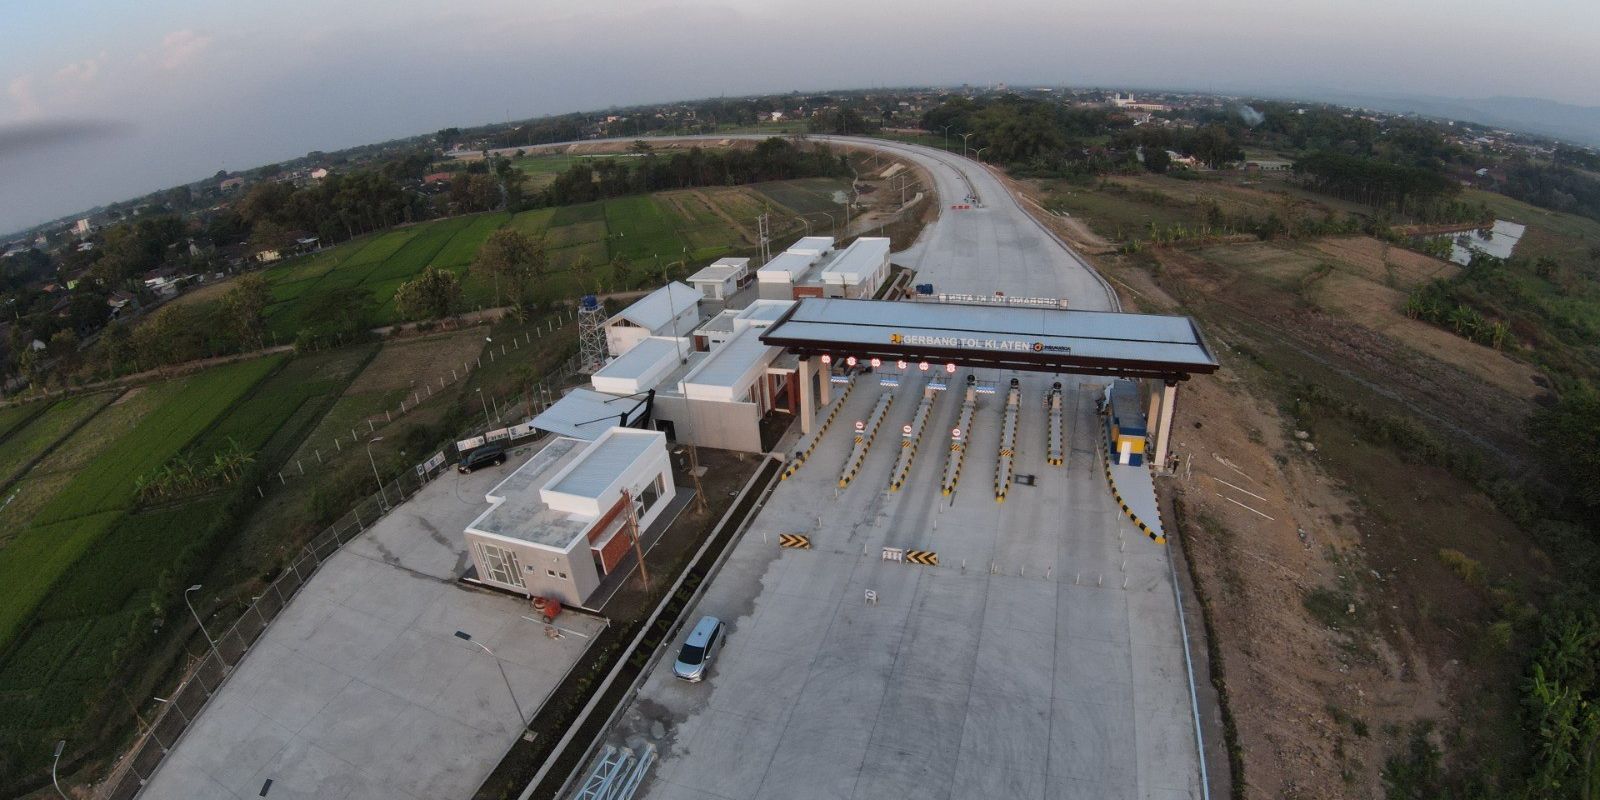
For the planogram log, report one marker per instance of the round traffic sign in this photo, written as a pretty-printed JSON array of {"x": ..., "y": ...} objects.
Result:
[
  {"x": 955, "y": 433},
  {"x": 877, "y": 363},
  {"x": 906, "y": 429},
  {"x": 827, "y": 359},
  {"x": 923, "y": 366},
  {"x": 950, "y": 368},
  {"x": 860, "y": 425},
  {"x": 851, "y": 361},
  {"x": 901, "y": 364}
]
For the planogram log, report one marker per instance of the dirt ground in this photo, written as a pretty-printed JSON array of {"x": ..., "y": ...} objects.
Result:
[
  {"x": 1338, "y": 623},
  {"x": 1350, "y": 332},
  {"x": 400, "y": 363},
  {"x": 1353, "y": 594}
]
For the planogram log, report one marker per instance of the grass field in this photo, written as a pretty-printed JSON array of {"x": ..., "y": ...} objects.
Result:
[
  {"x": 30, "y": 441},
  {"x": 81, "y": 510},
  {"x": 14, "y": 417},
  {"x": 697, "y": 225}
]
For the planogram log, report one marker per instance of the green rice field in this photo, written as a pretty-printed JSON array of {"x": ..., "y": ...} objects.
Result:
[{"x": 608, "y": 245}]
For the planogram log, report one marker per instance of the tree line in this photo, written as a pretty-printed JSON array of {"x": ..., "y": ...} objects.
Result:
[
  {"x": 1373, "y": 181},
  {"x": 771, "y": 159}
]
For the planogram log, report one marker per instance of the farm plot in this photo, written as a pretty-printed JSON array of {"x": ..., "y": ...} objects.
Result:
[
  {"x": 32, "y": 440},
  {"x": 400, "y": 371},
  {"x": 66, "y": 665},
  {"x": 464, "y": 245},
  {"x": 70, "y": 521},
  {"x": 420, "y": 251},
  {"x": 532, "y": 223},
  {"x": 14, "y": 417},
  {"x": 641, "y": 229},
  {"x": 806, "y": 195},
  {"x": 380, "y": 248}
]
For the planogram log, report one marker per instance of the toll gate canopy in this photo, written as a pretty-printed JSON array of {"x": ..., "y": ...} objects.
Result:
[{"x": 1169, "y": 348}]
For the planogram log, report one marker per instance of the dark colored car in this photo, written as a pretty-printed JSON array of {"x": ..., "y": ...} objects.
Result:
[{"x": 492, "y": 454}]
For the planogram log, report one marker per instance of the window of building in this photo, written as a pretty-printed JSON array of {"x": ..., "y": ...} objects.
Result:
[{"x": 501, "y": 565}]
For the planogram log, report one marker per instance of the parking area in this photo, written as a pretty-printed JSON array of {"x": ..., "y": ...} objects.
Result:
[
  {"x": 361, "y": 688},
  {"x": 1041, "y": 658}
]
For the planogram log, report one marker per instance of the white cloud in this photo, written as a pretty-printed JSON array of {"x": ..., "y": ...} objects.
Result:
[
  {"x": 180, "y": 47},
  {"x": 21, "y": 91},
  {"x": 84, "y": 71}
]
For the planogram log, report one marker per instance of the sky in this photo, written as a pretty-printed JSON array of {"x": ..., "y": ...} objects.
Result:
[{"x": 104, "y": 100}]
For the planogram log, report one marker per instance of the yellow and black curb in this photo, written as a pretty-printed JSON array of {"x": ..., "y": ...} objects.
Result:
[
  {"x": 1105, "y": 459},
  {"x": 926, "y": 558},
  {"x": 800, "y": 456},
  {"x": 794, "y": 540}
]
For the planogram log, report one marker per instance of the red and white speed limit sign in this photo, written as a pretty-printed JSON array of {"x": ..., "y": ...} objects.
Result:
[{"x": 955, "y": 433}]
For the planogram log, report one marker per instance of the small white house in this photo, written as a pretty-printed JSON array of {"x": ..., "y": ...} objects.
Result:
[
  {"x": 721, "y": 279},
  {"x": 565, "y": 519},
  {"x": 672, "y": 310}
]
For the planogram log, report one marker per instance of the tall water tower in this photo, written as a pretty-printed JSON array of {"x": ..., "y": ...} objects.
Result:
[{"x": 591, "y": 334}]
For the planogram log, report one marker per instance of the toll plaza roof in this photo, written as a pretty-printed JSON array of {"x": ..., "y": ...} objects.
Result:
[{"x": 1006, "y": 337}]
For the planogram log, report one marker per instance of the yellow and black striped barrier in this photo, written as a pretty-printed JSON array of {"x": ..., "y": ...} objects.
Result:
[
  {"x": 794, "y": 540},
  {"x": 1155, "y": 536},
  {"x": 802, "y": 454},
  {"x": 927, "y": 558}
]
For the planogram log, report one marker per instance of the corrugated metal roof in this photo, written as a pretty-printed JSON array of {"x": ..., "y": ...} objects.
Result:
[
  {"x": 586, "y": 414},
  {"x": 1069, "y": 334},
  {"x": 658, "y": 308},
  {"x": 597, "y": 467}
]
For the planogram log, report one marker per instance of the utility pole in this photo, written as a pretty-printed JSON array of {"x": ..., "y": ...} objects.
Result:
[
  {"x": 633, "y": 528},
  {"x": 694, "y": 472}
]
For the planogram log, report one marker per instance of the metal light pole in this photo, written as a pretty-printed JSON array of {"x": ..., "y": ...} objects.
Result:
[
  {"x": 947, "y": 137},
  {"x": 467, "y": 637},
  {"x": 61, "y": 745},
  {"x": 370, "y": 460},
  {"x": 832, "y": 223},
  {"x": 964, "y": 138},
  {"x": 203, "y": 632},
  {"x": 485, "y": 403},
  {"x": 978, "y": 154}
]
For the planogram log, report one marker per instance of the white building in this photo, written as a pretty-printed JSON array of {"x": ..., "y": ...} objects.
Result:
[
  {"x": 672, "y": 310},
  {"x": 722, "y": 278},
  {"x": 642, "y": 367},
  {"x": 82, "y": 227},
  {"x": 568, "y": 517},
  {"x": 813, "y": 268}
]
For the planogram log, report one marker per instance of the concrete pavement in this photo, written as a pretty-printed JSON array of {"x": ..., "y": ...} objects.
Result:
[
  {"x": 1043, "y": 656},
  {"x": 359, "y": 689}
]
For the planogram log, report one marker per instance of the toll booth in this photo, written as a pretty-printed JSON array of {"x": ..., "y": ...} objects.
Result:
[{"x": 1125, "y": 422}]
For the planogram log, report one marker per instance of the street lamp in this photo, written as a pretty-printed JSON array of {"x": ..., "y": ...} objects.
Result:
[
  {"x": 485, "y": 403},
  {"x": 61, "y": 745},
  {"x": 832, "y": 223},
  {"x": 964, "y": 138},
  {"x": 370, "y": 460},
  {"x": 978, "y": 154},
  {"x": 467, "y": 637},
  {"x": 947, "y": 137},
  {"x": 203, "y": 632}
]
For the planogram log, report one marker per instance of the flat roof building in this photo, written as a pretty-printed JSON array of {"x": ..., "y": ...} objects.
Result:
[
  {"x": 567, "y": 517},
  {"x": 642, "y": 367},
  {"x": 813, "y": 268},
  {"x": 722, "y": 278}
]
